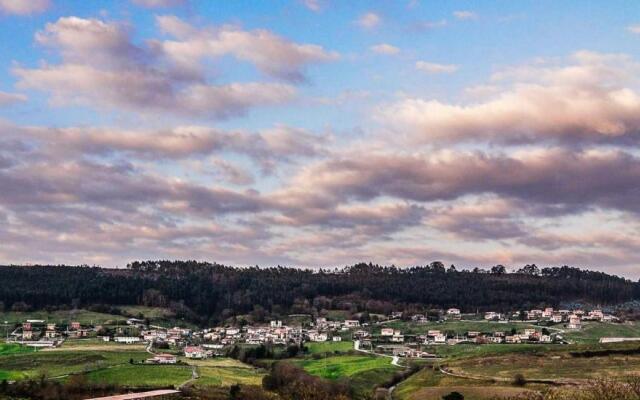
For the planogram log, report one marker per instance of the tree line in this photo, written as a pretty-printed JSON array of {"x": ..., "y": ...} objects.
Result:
[{"x": 210, "y": 292}]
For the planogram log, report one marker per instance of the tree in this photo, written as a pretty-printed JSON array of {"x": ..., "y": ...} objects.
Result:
[
  {"x": 498, "y": 269},
  {"x": 453, "y": 396}
]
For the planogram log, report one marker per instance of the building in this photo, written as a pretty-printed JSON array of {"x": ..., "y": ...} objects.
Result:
[
  {"x": 126, "y": 339},
  {"x": 75, "y": 325},
  {"x": 337, "y": 339},
  {"x": 351, "y": 323},
  {"x": 574, "y": 322},
  {"x": 195, "y": 352},
  {"x": 386, "y": 332},
  {"x": 163, "y": 359}
]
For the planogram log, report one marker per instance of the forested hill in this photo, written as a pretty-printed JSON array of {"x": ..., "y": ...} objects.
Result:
[{"x": 210, "y": 292}]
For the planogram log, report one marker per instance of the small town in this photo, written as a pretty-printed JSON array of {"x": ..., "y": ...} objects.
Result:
[{"x": 545, "y": 326}]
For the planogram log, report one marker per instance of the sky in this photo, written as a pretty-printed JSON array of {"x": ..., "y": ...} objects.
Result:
[{"x": 321, "y": 133}]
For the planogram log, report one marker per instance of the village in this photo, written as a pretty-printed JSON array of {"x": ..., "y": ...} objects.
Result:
[{"x": 544, "y": 326}]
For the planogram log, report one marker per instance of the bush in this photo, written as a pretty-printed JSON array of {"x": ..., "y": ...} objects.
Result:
[{"x": 519, "y": 380}]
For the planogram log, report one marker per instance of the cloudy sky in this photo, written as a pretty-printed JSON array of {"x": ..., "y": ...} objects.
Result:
[{"x": 321, "y": 132}]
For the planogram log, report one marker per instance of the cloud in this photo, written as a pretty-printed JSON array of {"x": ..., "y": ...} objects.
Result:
[
  {"x": 422, "y": 26},
  {"x": 159, "y": 3},
  {"x": 369, "y": 20},
  {"x": 313, "y": 5},
  {"x": 557, "y": 181},
  {"x": 464, "y": 15},
  {"x": 634, "y": 29},
  {"x": 24, "y": 7},
  {"x": 384, "y": 48},
  {"x": 591, "y": 100},
  {"x": 7, "y": 99},
  {"x": 271, "y": 54},
  {"x": 434, "y": 68},
  {"x": 102, "y": 67}
]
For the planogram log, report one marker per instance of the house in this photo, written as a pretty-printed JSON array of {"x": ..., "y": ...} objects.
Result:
[
  {"x": 51, "y": 327},
  {"x": 351, "y": 323},
  {"x": 396, "y": 314},
  {"x": 195, "y": 352},
  {"x": 512, "y": 339},
  {"x": 276, "y": 324},
  {"x": 596, "y": 315},
  {"x": 337, "y": 339},
  {"x": 75, "y": 325},
  {"x": 556, "y": 318},
  {"x": 491, "y": 315},
  {"x": 440, "y": 338},
  {"x": 126, "y": 339},
  {"x": 317, "y": 337},
  {"x": 453, "y": 312},
  {"x": 50, "y": 334},
  {"x": 433, "y": 332},
  {"x": 163, "y": 359},
  {"x": 473, "y": 334},
  {"x": 545, "y": 339},
  {"x": 548, "y": 312},
  {"x": 574, "y": 322},
  {"x": 397, "y": 337},
  {"x": 529, "y": 332},
  {"x": 496, "y": 339},
  {"x": 386, "y": 332},
  {"x": 27, "y": 335},
  {"x": 26, "y": 326}
]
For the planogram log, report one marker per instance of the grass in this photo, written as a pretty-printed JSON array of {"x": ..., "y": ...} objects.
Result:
[
  {"x": 591, "y": 332},
  {"x": 345, "y": 366},
  {"x": 142, "y": 375},
  {"x": 329, "y": 347},
  {"x": 558, "y": 366},
  {"x": 227, "y": 376},
  {"x": 59, "y": 363},
  {"x": 152, "y": 313},
  {"x": 431, "y": 384},
  {"x": 62, "y": 317},
  {"x": 9, "y": 349}
]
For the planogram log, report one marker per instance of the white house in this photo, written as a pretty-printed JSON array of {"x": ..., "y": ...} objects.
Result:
[
  {"x": 351, "y": 323},
  {"x": 386, "y": 332},
  {"x": 574, "y": 322},
  {"x": 194, "y": 352},
  {"x": 163, "y": 359},
  {"x": 127, "y": 339}
]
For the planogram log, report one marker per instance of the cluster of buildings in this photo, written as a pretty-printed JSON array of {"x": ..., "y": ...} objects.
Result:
[{"x": 572, "y": 318}]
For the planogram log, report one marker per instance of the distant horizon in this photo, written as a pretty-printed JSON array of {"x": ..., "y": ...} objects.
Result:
[{"x": 317, "y": 132}]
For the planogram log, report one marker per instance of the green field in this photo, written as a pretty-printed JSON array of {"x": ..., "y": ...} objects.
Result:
[
  {"x": 9, "y": 349},
  {"x": 142, "y": 375},
  {"x": 60, "y": 363},
  {"x": 591, "y": 332},
  {"x": 329, "y": 347},
  {"x": 345, "y": 366},
  {"x": 62, "y": 317}
]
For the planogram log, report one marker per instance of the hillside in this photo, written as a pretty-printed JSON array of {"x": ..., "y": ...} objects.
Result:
[{"x": 205, "y": 292}]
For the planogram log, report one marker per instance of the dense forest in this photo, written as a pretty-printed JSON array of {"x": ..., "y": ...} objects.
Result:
[{"x": 206, "y": 293}]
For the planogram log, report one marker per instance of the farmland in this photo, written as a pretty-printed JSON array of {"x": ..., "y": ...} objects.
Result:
[{"x": 345, "y": 366}]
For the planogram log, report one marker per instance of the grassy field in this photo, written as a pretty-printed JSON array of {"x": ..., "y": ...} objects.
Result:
[
  {"x": 591, "y": 332},
  {"x": 9, "y": 349},
  {"x": 550, "y": 366},
  {"x": 329, "y": 347},
  {"x": 62, "y": 317},
  {"x": 58, "y": 363},
  {"x": 142, "y": 375},
  {"x": 345, "y": 366},
  {"x": 431, "y": 384}
]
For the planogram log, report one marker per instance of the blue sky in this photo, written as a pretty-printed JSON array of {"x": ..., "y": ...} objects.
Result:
[{"x": 320, "y": 132}]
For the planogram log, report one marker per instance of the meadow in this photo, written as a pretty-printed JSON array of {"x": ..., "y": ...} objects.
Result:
[
  {"x": 329, "y": 347},
  {"x": 345, "y": 366}
]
